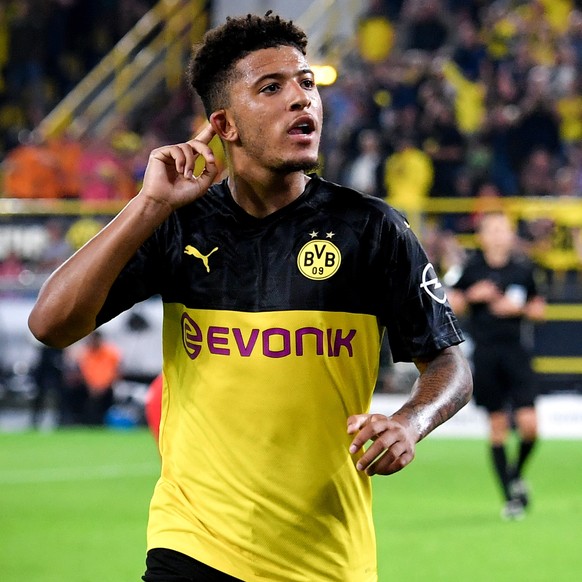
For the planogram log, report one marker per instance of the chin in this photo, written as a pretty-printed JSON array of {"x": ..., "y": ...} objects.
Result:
[{"x": 305, "y": 165}]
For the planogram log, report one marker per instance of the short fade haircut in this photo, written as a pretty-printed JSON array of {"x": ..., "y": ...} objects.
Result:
[{"x": 212, "y": 64}]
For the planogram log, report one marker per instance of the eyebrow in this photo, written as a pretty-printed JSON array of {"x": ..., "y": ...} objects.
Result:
[{"x": 277, "y": 75}]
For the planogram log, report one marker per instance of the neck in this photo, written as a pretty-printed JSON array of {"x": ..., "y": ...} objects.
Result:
[
  {"x": 265, "y": 192},
  {"x": 497, "y": 257}
]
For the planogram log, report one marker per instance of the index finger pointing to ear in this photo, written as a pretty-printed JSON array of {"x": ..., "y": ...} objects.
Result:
[{"x": 205, "y": 134}]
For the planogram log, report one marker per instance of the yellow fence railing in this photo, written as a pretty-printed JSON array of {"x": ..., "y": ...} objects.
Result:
[{"x": 151, "y": 53}]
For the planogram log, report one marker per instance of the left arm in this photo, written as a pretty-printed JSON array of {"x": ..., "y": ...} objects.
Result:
[{"x": 444, "y": 386}]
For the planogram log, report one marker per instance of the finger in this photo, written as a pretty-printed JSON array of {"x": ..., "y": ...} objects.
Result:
[
  {"x": 369, "y": 428},
  {"x": 205, "y": 135},
  {"x": 380, "y": 458},
  {"x": 379, "y": 447},
  {"x": 386, "y": 467},
  {"x": 356, "y": 421},
  {"x": 195, "y": 149},
  {"x": 189, "y": 160},
  {"x": 177, "y": 155},
  {"x": 207, "y": 176}
]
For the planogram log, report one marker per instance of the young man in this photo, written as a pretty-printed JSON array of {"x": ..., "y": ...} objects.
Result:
[
  {"x": 498, "y": 290},
  {"x": 276, "y": 288}
]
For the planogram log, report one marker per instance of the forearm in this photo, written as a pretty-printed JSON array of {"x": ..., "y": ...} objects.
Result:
[
  {"x": 457, "y": 301},
  {"x": 69, "y": 301},
  {"x": 444, "y": 386}
]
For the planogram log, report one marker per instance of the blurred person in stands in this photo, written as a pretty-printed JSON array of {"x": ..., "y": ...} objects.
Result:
[
  {"x": 104, "y": 175},
  {"x": 537, "y": 127},
  {"x": 443, "y": 143},
  {"x": 31, "y": 170},
  {"x": 498, "y": 290},
  {"x": 67, "y": 151},
  {"x": 98, "y": 362},
  {"x": 277, "y": 286},
  {"x": 538, "y": 175},
  {"x": 49, "y": 378},
  {"x": 470, "y": 53},
  {"x": 365, "y": 171},
  {"x": 425, "y": 25},
  {"x": 408, "y": 176},
  {"x": 375, "y": 32}
]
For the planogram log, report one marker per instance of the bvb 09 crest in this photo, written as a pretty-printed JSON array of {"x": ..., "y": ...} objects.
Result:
[{"x": 319, "y": 259}]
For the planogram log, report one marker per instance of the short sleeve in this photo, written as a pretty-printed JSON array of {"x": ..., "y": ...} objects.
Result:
[
  {"x": 418, "y": 318},
  {"x": 139, "y": 280}
]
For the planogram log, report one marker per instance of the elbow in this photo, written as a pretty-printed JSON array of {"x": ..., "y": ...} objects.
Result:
[
  {"x": 55, "y": 333},
  {"x": 44, "y": 334}
]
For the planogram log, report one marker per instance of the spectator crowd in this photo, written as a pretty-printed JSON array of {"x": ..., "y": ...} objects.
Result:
[{"x": 472, "y": 99}]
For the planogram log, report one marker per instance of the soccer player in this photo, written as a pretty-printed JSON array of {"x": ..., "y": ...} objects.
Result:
[
  {"x": 277, "y": 286},
  {"x": 498, "y": 290}
]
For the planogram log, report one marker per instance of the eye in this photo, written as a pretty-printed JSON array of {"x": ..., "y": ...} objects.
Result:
[
  {"x": 308, "y": 83},
  {"x": 271, "y": 88}
]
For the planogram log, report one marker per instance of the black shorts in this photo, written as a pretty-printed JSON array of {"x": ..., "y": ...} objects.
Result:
[
  {"x": 164, "y": 565},
  {"x": 503, "y": 377}
]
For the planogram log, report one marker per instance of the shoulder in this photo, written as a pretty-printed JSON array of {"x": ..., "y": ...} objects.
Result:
[
  {"x": 338, "y": 199},
  {"x": 474, "y": 264},
  {"x": 522, "y": 264},
  {"x": 476, "y": 257},
  {"x": 207, "y": 208},
  {"x": 522, "y": 261}
]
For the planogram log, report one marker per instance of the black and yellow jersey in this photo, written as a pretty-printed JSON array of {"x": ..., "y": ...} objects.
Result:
[{"x": 272, "y": 330}]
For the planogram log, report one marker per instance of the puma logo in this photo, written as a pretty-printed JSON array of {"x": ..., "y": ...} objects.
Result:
[{"x": 190, "y": 250}]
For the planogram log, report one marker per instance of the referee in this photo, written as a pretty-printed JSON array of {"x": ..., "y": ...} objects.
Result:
[{"x": 498, "y": 292}]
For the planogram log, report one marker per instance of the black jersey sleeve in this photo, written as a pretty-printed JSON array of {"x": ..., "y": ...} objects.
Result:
[
  {"x": 418, "y": 318},
  {"x": 140, "y": 279}
]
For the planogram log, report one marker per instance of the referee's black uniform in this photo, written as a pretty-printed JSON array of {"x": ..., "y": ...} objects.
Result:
[{"x": 502, "y": 364}]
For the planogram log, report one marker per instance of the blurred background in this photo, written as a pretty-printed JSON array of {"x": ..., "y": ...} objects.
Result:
[{"x": 446, "y": 108}]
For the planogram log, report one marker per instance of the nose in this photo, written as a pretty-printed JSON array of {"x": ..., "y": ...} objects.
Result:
[{"x": 300, "y": 98}]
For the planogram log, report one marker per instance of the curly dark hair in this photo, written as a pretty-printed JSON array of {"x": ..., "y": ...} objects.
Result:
[{"x": 212, "y": 64}]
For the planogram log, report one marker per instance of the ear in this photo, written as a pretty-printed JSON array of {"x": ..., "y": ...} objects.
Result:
[{"x": 223, "y": 125}]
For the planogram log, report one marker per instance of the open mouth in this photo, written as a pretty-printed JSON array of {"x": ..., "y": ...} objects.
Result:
[{"x": 302, "y": 128}]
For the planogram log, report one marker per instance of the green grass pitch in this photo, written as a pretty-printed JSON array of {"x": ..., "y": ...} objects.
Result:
[{"x": 73, "y": 508}]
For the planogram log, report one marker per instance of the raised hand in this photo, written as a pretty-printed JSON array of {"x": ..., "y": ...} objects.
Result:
[{"x": 169, "y": 176}]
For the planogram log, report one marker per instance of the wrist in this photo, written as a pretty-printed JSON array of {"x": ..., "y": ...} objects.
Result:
[
  {"x": 151, "y": 209},
  {"x": 410, "y": 422}
]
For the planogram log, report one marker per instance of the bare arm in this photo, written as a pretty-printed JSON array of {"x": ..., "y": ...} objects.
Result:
[
  {"x": 442, "y": 389},
  {"x": 70, "y": 300}
]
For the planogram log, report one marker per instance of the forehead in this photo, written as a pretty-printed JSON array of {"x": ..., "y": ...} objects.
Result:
[
  {"x": 495, "y": 223},
  {"x": 276, "y": 61}
]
